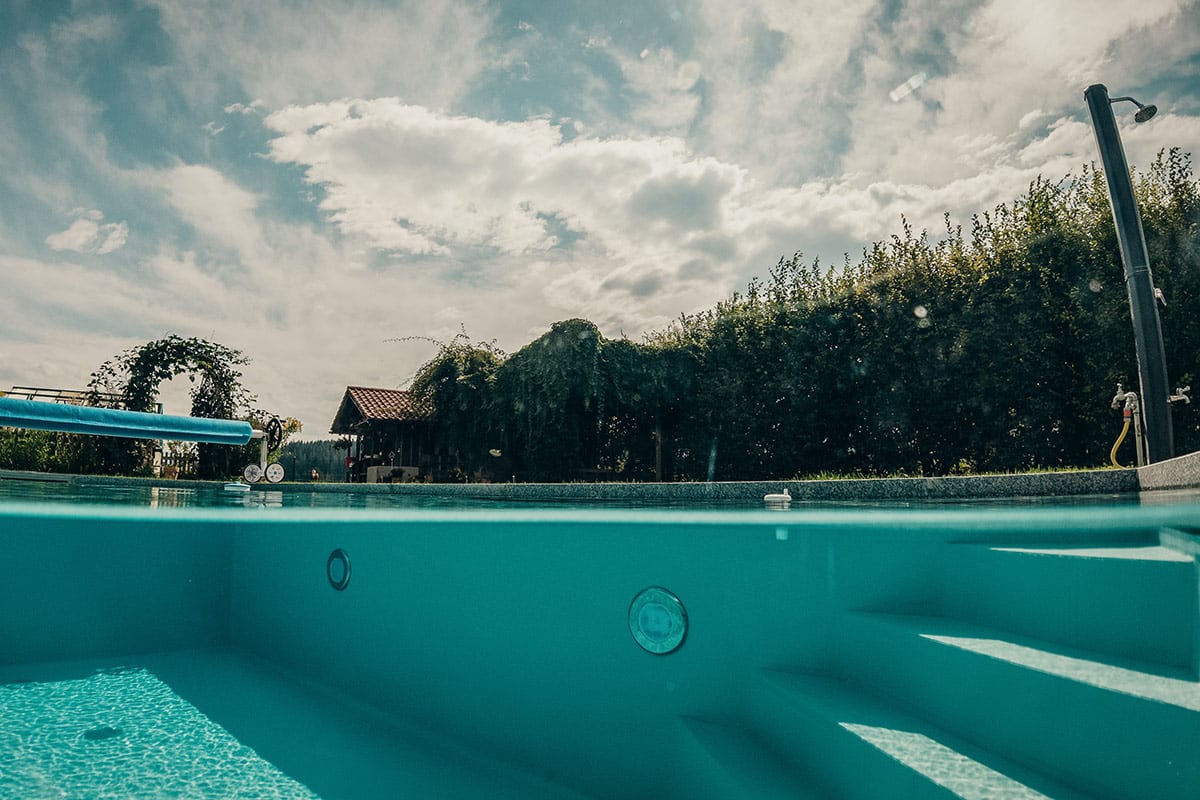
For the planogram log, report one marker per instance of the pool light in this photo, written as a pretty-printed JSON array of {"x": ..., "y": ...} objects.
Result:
[
  {"x": 337, "y": 569},
  {"x": 658, "y": 621}
]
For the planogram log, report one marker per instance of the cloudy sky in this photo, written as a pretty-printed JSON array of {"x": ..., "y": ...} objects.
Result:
[{"x": 305, "y": 180}]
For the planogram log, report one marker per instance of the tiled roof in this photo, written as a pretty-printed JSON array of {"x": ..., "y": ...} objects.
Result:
[
  {"x": 366, "y": 404},
  {"x": 387, "y": 403}
]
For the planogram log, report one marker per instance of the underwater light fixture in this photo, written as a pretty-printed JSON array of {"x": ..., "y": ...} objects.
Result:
[
  {"x": 337, "y": 569},
  {"x": 658, "y": 621}
]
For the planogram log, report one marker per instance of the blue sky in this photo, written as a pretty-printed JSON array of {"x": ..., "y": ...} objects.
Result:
[{"x": 305, "y": 181}]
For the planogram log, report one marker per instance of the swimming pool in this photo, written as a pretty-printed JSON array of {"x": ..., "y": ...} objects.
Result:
[{"x": 478, "y": 653}]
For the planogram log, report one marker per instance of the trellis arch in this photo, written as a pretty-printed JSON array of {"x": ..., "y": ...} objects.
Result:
[
  {"x": 217, "y": 393},
  {"x": 136, "y": 375}
]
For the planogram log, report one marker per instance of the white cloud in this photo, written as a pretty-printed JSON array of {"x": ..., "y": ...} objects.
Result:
[
  {"x": 78, "y": 238},
  {"x": 87, "y": 235},
  {"x": 662, "y": 87},
  {"x": 761, "y": 128},
  {"x": 114, "y": 238},
  {"x": 778, "y": 75},
  {"x": 245, "y": 108},
  {"x": 652, "y": 228},
  {"x": 404, "y": 178},
  {"x": 297, "y": 51},
  {"x": 214, "y": 205}
]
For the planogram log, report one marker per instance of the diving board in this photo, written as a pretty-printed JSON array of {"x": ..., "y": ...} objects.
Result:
[{"x": 68, "y": 418}]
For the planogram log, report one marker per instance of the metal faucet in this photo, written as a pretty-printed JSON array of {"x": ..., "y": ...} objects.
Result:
[
  {"x": 1132, "y": 413},
  {"x": 1127, "y": 399}
]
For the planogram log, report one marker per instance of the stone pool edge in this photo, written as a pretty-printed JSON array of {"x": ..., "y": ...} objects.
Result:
[{"x": 1183, "y": 472}]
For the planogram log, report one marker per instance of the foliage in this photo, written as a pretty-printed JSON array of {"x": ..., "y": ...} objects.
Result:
[
  {"x": 999, "y": 350},
  {"x": 134, "y": 377},
  {"x": 217, "y": 393},
  {"x": 571, "y": 405},
  {"x": 548, "y": 395},
  {"x": 993, "y": 349},
  {"x": 25, "y": 449},
  {"x": 458, "y": 383}
]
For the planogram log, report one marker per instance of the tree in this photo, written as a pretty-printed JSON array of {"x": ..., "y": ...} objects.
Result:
[
  {"x": 548, "y": 397},
  {"x": 458, "y": 382}
]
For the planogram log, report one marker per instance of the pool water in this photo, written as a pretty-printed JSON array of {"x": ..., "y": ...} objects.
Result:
[
  {"x": 86, "y": 730},
  {"x": 123, "y": 733},
  {"x": 732, "y": 497},
  {"x": 128, "y": 493},
  {"x": 187, "y": 650}
]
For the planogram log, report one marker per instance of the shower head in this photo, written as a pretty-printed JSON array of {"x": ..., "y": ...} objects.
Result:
[{"x": 1144, "y": 112}]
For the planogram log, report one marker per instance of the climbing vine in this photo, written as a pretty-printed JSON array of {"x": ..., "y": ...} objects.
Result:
[
  {"x": 136, "y": 374},
  {"x": 457, "y": 382},
  {"x": 217, "y": 393}
]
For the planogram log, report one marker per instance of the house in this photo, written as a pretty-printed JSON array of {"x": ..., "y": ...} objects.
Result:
[{"x": 391, "y": 436}]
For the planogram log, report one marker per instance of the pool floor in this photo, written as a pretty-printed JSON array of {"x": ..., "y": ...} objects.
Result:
[{"x": 221, "y": 723}]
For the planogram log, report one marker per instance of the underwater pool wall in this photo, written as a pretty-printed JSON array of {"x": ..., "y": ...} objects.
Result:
[
  {"x": 113, "y": 584},
  {"x": 1055, "y": 650},
  {"x": 512, "y": 634},
  {"x": 509, "y": 633}
]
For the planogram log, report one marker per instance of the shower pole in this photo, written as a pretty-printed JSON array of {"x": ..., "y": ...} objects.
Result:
[{"x": 1147, "y": 330}]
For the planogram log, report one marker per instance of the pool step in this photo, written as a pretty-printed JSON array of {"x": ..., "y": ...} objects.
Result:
[
  {"x": 1113, "y": 727},
  {"x": 1134, "y": 600},
  {"x": 869, "y": 748},
  {"x": 740, "y": 765}
]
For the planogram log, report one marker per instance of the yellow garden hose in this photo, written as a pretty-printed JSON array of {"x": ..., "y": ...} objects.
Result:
[{"x": 1124, "y": 431}]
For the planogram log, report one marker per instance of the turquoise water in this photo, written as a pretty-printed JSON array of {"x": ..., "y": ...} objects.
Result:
[
  {"x": 86, "y": 731},
  {"x": 489, "y": 651},
  {"x": 127, "y": 494},
  {"x": 119, "y": 734},
  {"x": 123, "y": 493}
]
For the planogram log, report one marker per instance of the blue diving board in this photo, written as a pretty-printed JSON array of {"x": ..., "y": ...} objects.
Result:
[{"x": 43, "y": 416}]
